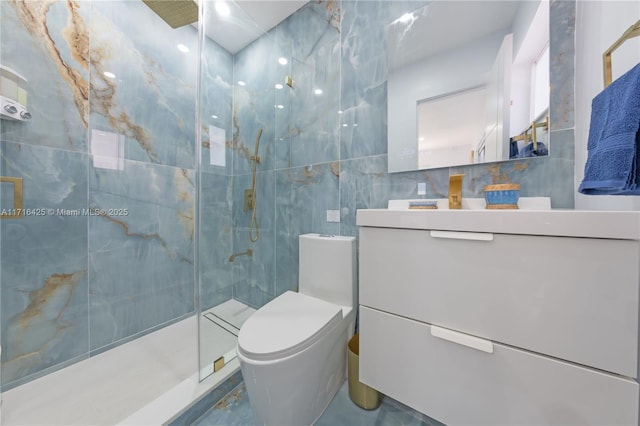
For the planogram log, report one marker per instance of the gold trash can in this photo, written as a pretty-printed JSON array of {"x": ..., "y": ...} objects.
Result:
[{"x": 361, "y": 394}]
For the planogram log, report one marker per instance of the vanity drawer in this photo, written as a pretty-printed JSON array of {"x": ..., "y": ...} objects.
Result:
[
  {"x": 571, "y": 298},
  {"x": 457, "y": 384}
]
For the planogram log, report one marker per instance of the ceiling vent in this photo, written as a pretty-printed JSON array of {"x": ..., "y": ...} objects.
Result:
[{"x": 176, "y": 13}]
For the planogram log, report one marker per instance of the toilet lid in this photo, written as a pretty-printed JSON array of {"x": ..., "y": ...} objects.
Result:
[{"x": 286, "y": 325}]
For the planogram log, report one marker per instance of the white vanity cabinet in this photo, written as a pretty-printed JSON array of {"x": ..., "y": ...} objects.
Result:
[{"x": 486, "y": 317}]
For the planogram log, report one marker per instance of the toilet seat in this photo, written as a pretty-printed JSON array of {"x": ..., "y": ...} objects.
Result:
[{"x": 288, "y": 324}]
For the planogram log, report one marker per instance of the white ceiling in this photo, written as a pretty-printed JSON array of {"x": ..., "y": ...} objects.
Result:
[{"x": 249, "y": 20}]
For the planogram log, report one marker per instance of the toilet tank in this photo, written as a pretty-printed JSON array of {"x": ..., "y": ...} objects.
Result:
[{"x": 327, "y": 268}]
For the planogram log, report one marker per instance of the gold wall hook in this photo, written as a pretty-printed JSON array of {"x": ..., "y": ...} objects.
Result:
[{"x": 17, "y": 210}]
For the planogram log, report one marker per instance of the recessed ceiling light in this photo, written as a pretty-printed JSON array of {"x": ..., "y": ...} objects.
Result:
[
  {"x": 109, "y": 74},
  {"x": 280, "y": 106},
  {"x": 283, "y": 61},
  {"x": 345, "y": 125},
  {"x": 340, "y": 112},
  {"x": 183, "y": 48},
  {"x": 223, "y": 8},
  {"x": 279, "y": 86},
  {"x": 214, "y": 116},
  {"x": 355, "y": 124},
  {"x": 241, "y": 83},
  {"x": 318, "y": 91}
]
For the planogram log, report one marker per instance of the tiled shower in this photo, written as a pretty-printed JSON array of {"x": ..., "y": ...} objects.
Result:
[{"x": 115, "y": 131}]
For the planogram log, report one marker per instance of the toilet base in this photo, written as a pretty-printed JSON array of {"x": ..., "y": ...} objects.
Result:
[{"x": 296, "y": 390}]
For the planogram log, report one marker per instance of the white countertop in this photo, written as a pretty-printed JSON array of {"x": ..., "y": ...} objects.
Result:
[{"x": 567, "y": 223}]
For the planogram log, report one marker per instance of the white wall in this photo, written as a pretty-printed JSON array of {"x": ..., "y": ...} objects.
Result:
[
  {"x": 598, "y": 25},
  {"x": 522, "y": 21},
  {"x": 530, "y": 36}
]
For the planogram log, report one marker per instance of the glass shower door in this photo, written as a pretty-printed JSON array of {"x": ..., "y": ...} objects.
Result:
[{"x": 236, "y": 125}]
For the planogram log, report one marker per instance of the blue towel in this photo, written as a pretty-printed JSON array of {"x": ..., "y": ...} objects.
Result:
[
  {"x": 513, "y": 148},
  {"x": 613, "y": 159},
  {"x": 528, "y": 151}
]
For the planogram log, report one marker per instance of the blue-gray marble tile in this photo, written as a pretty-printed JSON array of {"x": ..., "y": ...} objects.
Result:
[
  {"x": 286, "y": 246},
  {"x": 47, "y": 43},
  {"x": 477, "y": 176},
  {"x": 254, "y": 103},
  {"x": 303, "y": 196},
  {"x": 311, "y": 28},
  {"x": 286, "y": 241},
  {"x": 309, "y": 40},
  {"x": 547, "y": 177},
  {"x": 140, "y": 250},
  {"x": 538, "y": 177},
  {"x": 232, "y": 410},
  {"x": 216, "y": 106},
  {"x": 562, "y": 62},
  {"x": 44, "y": 261},
  {"x": 235, "y": 409},
  {"x": 364, "y": 27},
  {"x": 284, "y": 132},
  {"x": 365, "y": 184},
  {"x": 264, "y": 200},
  {"x": 117, "y": 315},
  {"x": 199, "y": 409},
  {"x": 151, "y": 98},
  {"x": 560, "y": 186},
  {"x": 364, "y": 75},
  {"x": 363, "y": 130},
  {"x": 563, "y": 144},
  {"x": 254, "y": 276},
  {"x": 343, "y": 411},
  {"x": 216, "y": 240},
  {"x": 314, "y": 132}
]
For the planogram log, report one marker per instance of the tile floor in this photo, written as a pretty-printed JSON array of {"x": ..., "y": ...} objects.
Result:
[{"x": 234, "y": 410}]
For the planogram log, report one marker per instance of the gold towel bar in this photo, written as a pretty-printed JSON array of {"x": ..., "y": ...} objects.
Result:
[{"x": 633, "y": 31}]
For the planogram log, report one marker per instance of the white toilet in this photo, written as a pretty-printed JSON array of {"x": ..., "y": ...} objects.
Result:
[{"x": 292, "y": 351}]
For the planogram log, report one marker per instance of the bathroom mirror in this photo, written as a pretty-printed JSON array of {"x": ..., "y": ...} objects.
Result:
[{"x": 468, "y": 82}]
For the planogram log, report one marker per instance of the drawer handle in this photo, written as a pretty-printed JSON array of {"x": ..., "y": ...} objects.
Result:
[
  {"x": 462, "y": 339},
  {"x": 453, "y": 235}
]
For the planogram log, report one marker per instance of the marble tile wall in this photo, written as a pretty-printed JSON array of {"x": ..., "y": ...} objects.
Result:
[
  {"x": 75, "y": 283},
  {"x": 215, "y": 241},
  {"x": 300, "y": 140},
  {"x": 44, "y": 262},
  {"x": 331, "y": 150}
]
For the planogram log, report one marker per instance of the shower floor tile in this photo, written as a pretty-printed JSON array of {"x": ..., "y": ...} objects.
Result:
[{"x": 234, "y": 410}]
